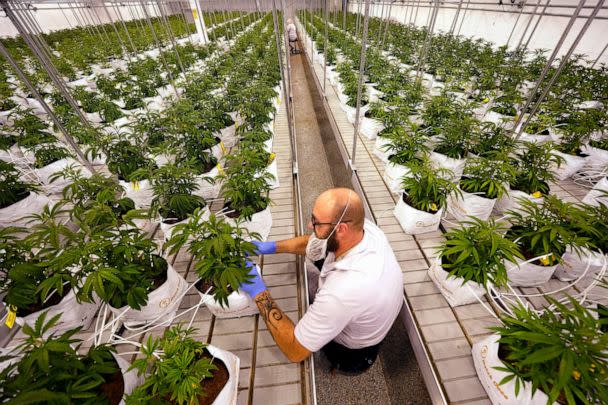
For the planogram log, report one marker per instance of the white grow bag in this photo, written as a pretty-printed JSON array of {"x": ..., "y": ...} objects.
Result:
[
  {"x": 140, "y": 192},
  {"x": 351, "y": 112},
  {"x": 206, "y": 189},
  {"x": 15, "y": 215},
  {"x": 380, "y": 148},
  {"x": 228, "y": 136},
  {"x": 574, "y": 266},
  {"x": 598, "y": 194},
  {"x": 524, "y": 274},
  {"x": 570, "y": 165},
  {"x": 414, "y": 221},
  {"x": 485, "y": 358},
  {"x": 273, "y": 169},
  {"x": 168, "y": 228},
  {"x": 597, "y": 160},
  {"x": 439, "y": 160},
  {"x": 393, "y": 174},
  {"x": 130, "y": 378},
  {"x": 510, "y": 201},
  {"x": 370, "y": 127},
  {"x": 239, "y": 304},
  {"x": 467, "y": 205},
  {"x": 162, "y": 302},
  {"x": 260, "y": 222},
  {"x": 228, "y": 394},
  {"x": 535, "y": 138},
  {"x": 12, "y": 154},
  {"x": 57, "y": 186},
  {"x": 452, "y": 288},
  {"x": 73, "y": 314}
]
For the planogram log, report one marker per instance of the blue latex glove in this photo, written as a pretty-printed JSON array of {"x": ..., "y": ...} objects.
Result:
[
  {"x": 255, "y": 284},
  {"x": 265, "y": 248}
]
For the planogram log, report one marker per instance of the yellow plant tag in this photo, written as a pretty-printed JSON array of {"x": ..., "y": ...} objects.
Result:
[
  {"x": 485, "y": 100},
  {"x": 223, "y": 148},
  {"x": 271, "y": 157},
  {"x": 220, "y": 169},
  {"x": 135, "y": 185},
  {"x": 195, "y": 14},
  {"x": 12, "y": 315},
  {"x": 537, "y": 194},
  {"x": 434, "y": 207},
  {"x": 545, "y": 260}
]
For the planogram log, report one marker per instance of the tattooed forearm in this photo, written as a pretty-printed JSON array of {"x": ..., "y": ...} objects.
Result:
[
  {"x": 280, "y": 327},
  {"x": 269, "y": 310}
]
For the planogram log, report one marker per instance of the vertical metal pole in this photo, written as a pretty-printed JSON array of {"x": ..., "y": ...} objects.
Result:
[
  {"x": 417, "y": 9},
  {"x": 453, "y": 25},
  {"x": 124, "y": 26},
  {"x": 599, "y": 56},
  {"x": 427, "y": 42},
  {"x": 542, "y": 14},
  {"x": 160, "y": 49},
  {"x": 466, "y": 9},
  {"x": 122, "y": 44},
  {"x": 358, "y": 22},
  {"x": 388, "y": 23},
  {"x": 360, "y": 83},
  {"x": 325, "y": 52},
  {"x": 344, "y": 11},
  {"x": 558, "y": 46},
  {"x": 64, "y": 15},
  {"x": 532, "y": 15},
  {"x": 564, "y": 61},
  {"x": 171, "y": 37},
  {"x": 94, "y": 12}
]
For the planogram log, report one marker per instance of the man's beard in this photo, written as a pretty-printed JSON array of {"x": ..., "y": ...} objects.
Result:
[{"x": 332, "y": 243}]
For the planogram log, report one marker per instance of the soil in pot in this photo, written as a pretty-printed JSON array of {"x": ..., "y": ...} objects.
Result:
[
  {"x": 53, "y": 299},
  {"x": 206, "y": 287},
  {"x": 19, "y": 195},
  {"x": 234, "y": 213},
  {"x": 406, "y": 199},
  {"x": 114, "y": 387}
]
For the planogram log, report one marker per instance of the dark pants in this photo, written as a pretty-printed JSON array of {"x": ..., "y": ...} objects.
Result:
[
  {"x": 293, "y": 46},
  {"x": 350, "y": 361}
]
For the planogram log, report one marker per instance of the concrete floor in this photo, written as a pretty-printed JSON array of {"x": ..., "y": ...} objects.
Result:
[{"x": 395, "y": 377}]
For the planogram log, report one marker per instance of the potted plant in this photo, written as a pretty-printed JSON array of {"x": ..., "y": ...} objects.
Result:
[
  {"x": 403, "y": 148},
  {"x": 454, "y": 144},
  {"x": 491, "y": 139},
  {"x": 542, "y": 232},
  {"x": 471, "y": 259},
  {"x": 50, "y": 369},
  {"x": 589, "y": 260},
  {"x": 545, "y": 357},
  {"x": 484, "y": 181},
  {"x": 174, "y": 199},
  {"x": 424, "y": 198},
  {"x": 220, "y": 249},
  {"x": 179, "y": 369},
  {"x": 534, "y": 169},
  {"x": 18, "y": 199}
]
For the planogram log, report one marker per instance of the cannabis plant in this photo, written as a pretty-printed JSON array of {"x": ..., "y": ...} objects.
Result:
[
  {"x": 174, "y": 366},
  {"x": 456, "y": 135},
  {"x": 12, "y": 189},
  {"x": 220, "y": 250},
  {"x": 488, "y": 176},
  {"x": 124, "y": 159},
  {"x": 47, "y": 153},
  {"x": 406, "y": 146},
  {"x": 426, "y": 188},
  {"x": 51, "y": 370},
  {"x": 535, "y": 168},
  {"x": 245, "y": 191},
  {"x": 561, "y": 351},
  {"x": 490, "y": 139},
  {"x": 477, "y": 252},
  {"x": 173, "y": 193}
]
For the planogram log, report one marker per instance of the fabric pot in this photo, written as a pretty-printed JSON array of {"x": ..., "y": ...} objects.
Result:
[
  {"x": 535, "y": 138},
  {"x": 57, "y": 186},
  {"x": 167, "y": 228},
  {"x": 15, "y": 215},
  {"x": 162, "y": 159},
  {"x": 268, "y": 145},
  {"x": 380, "y": 148},
  {"x": 597, "y": 160},
  {"x": 573, "y": 266},
  {"x": 522, "y": 274},
  {"x": 206, "y": 189},
  {"x": 510, "y": 201},
  {"x": 94, "y": 117},
  {"x": 463, "y": 207},
  {"x": 73, "y": 314},
  {"x": 414, "y": 221},
  {"x": 162, "y": 302},
  {"x": 501, "y": 120},
  {"x": 351, "y": 112},
  {"x": 239, "y": 304},
  {"x": 260, "y": 222},
  {"x": 439, "y": 160},
  {"x": 139, "y": 191},
  {"x": 130, "y": 378},
  {"x": 370, "y": 127},
  {"x": 274, "y": 170},
  {"x": 569, "y": 166},
  {"x": 217, "y": 151},
  {"x": 228, "y": 136},
  {"x": 393, "y": 174},
  {"x": 596, "y": 195},
  {"x": 456, "y": 290},
  {"x": 228, "y": 394},
  {"x": 486, "y": 360},
  {"x": 11, "y": 154}
]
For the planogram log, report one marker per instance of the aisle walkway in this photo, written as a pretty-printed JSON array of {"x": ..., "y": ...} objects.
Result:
[{"x": 395, "y": 378}]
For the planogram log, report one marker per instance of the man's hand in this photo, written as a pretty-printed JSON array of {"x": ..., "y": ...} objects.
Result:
[
  {"x": 265, "y": 248},
  {"x": 254, "y": 285}
]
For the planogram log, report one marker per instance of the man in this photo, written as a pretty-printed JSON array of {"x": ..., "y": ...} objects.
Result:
[
  {"x": 292, "y": 35},
  {"x": 360, "y": 286}
]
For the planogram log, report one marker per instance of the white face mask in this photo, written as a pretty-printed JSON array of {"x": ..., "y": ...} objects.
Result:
[{"x": 316, "y": 249}]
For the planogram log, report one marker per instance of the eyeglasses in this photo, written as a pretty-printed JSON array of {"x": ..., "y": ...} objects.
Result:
[{"x": 314, "y": 222}]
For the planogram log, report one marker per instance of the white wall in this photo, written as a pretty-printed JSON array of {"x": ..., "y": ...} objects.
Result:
[{"x": 496, "y": 26}]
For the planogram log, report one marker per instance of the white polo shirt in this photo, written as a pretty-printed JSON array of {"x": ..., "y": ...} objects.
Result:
[{"x": 358, "y": 298}]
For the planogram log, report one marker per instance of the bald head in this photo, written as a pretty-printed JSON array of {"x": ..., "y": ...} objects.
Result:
[{"x": 331, "y": 203}]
